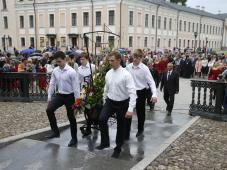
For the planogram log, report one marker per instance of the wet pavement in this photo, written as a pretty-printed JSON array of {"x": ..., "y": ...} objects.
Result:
[{"x": 55, "y": 155}]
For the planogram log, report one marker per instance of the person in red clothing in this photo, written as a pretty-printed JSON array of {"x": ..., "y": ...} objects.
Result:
[
  {"x": 42, "y": 78},
  {"x": 214, "y": 72}
]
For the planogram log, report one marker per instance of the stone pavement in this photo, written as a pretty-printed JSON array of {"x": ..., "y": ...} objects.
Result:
[{"x": 201, "y": 147}]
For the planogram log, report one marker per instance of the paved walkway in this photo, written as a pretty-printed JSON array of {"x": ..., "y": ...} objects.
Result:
[{"x": 54, "y": 154}]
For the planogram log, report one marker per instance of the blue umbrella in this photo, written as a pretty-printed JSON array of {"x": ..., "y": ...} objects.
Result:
[{"x": 27, "y": 51}]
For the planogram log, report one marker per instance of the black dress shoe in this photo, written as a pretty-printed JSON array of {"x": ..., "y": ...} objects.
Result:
[
  {"x": 115, "y": 154},
  {"x": 169, "y": 113},
  {"x": 139, "y": 133},
  {"x": 73, "y": 143},
  {"x": 53, "y": 135},
  {"x": 86, "y": 133},
  {"x": 101, "y": 147}
]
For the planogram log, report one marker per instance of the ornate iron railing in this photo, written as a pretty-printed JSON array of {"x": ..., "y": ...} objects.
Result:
[
  {"x": 25, "y": 87},
  {"x": 208, "y": 99}
]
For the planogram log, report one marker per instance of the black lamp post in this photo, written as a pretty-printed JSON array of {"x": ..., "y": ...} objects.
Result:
[
  {"x": 206, "y": 46},
  {"x": 195, "y": 35}
]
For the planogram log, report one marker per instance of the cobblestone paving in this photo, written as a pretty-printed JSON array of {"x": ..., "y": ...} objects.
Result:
[
  {"x": 202, "y": 147},
  {"x": 17, "y": 118}
]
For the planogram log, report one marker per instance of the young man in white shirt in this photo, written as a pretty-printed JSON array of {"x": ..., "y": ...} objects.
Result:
[
  {"x": 85, "y": 77},
  {"x": 142, "y": 78},
  {"x": 66, "y": 80},
  {"x": 120, "y": 98}
]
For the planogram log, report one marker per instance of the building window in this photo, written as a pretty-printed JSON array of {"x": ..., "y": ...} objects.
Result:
[
  {"x": 197, "y": 27},
  {"x": 130, "y": 41},
  {"x": 4, "y": 4},
  {"x": 193, "y": 27},
  {"x": 85, "y": 43},
  {"x": 42, "y": 42},
  {"x": 159, "y": 22},
  {"x": 86, "y": 19},
  {"x": 213, "y": 29},
  {"x": 200, "y": 29},
  {"x": 165, "y": 20},
  {"x": 62, "y": 20},
  {"x": 170, "y": 24},
  {"x": 153, "y": 21},
  {"x": 32, "y": 41},
  {"x": 188, "y": 43},
  {"x": 184, "y": 26},
  {"x": 21, "y": 21},
  {"x": 22, "y": 42},
  {"x": 169, "y": 43},
  {"x": 5, "y": 22},
  {"x": 3, "y": 42},
  {"x": 207, "y": 29},
  {"x": 63, "y": 42},
  {"x": 146, "y": 20},
  {"x": 51, "y": 20},
  {"x": 74, "y": 19},
  {"x": 111, "y": 17},
  {"x": 41, "y": 20},
  {"x": 131, "y": 18},
  {"x": 204, "y": 28},
  {"x": 180, "y": 26},
  {"x": 189, "y": 26},
  {"x": 139, "y": 19},
  {"x": 111, "y": 41},
  {"x": 10, "y": 42},
  {"x": 31, "y": 21},
  {"x": 98, "y": 18},
  {"x": 179, "y": 43},
  {"x": 145, "y": 42},
  {"x": 98, "y": 41},
  {"x": 158, "y": 43}
]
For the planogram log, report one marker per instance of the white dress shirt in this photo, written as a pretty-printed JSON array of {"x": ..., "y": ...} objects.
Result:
[
  {"x": 120, "y": 86},
  {"x": 66, "y": 80},
  {"x": 169, "y": 74},
  {"x": 142, "y": 77},
  {"x": 85, "y": 71}
]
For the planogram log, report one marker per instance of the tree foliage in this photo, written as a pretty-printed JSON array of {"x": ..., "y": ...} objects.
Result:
[{"x": 181, "y": 1}]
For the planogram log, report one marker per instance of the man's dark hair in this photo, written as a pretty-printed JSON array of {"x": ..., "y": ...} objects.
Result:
[
  {"x": 59, "y": 54},
  {"x": 116, "y": 54},
  {"x": 85, "y": 55}
]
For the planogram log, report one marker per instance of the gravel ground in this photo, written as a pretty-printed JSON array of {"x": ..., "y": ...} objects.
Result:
[
  {"x": 202, "y": 147},
  {"x": 17, "y": 118}
]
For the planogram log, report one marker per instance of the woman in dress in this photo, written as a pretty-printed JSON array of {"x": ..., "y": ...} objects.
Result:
[{"x": 198, "y": 67}]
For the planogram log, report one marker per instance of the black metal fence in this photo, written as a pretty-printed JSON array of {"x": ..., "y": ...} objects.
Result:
[
  {"x": 208, "y": 99},
  {"x": 25, "y": 87}
]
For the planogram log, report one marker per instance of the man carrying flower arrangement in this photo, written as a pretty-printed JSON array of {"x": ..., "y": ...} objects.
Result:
[{"x": 120, "y": 98}]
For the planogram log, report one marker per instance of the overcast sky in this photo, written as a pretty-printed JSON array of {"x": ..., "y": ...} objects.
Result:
[{"x": 210, "y": 5}]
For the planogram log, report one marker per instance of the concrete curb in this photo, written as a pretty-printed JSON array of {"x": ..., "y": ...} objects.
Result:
[
  {"x": 34, "y": 132},
  {"x": 150, "y": 158}
]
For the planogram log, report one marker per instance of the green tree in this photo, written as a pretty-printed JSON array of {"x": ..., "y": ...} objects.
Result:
[{"x": 181, "y": 1}]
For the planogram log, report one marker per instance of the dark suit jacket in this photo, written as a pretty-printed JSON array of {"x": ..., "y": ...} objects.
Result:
[{"x": 172, "y": 84}]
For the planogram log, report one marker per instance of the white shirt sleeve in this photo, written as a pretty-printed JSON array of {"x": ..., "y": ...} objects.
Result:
[
  {"x": 130, "y": 85},
  {"x": 151, "y": 82},
  {"x": 76, "y": 84},
  {"x": 52, "y": 86}
]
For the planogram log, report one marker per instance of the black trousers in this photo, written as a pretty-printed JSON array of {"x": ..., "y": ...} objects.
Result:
[
  {"x": 140, "y": 110},
  {"x": 58, "y": 101},
  {"x": 109, "y": 108},
  {"x": 169, "y": 99}
]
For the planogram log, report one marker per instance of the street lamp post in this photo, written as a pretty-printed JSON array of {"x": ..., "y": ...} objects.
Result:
[
  {"x": 206, "y": 46},
  {"x": 195, "y": 35}
]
